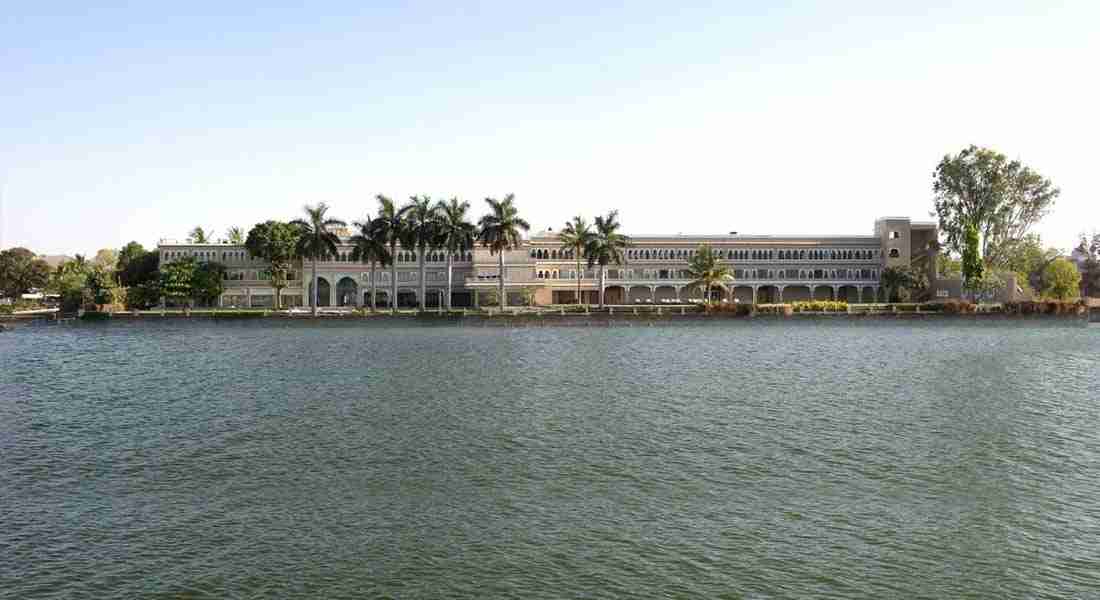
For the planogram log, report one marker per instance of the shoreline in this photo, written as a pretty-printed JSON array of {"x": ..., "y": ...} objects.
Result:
[{"x": 552, "y": 318}]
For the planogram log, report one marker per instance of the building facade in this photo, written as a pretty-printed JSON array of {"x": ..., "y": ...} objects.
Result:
[{"x": 766, "y": 268}]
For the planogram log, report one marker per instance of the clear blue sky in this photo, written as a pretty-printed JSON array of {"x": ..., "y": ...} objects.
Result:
[{"x": 140, "y": 121}]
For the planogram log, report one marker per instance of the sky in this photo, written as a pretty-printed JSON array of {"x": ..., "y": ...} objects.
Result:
[{"x": 139, "y": 121}]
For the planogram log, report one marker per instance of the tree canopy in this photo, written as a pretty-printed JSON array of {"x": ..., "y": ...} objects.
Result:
[
  {"x": 1088, "y": 252},
  {"x": 1002, "y": 198},
  {"x": 21, "y": 271},
  {"x": 1062, "y": 280},
  {"x": 707, "y": 273}
]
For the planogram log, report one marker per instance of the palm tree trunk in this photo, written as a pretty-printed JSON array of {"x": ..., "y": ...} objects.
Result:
[
  {"x": 579, "y": 275},
  {"x": 423, "y": 284},
  {"x": 602, "y": 270},
  {"x": 314, "y": 286},
  {"x": 503, "y": 300},
  {"x": 449, "y": 274},
  {"x": 393, "y": 279},
  {"x": 373, "y": 281}
]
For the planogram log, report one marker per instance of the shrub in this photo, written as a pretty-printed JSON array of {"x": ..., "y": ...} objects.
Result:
[
  {"x": 1045, "y": 307},
  {"x": 957, "y": 307},
  {"x": 906, "y": 307},
  {"x": 775, "y": 309},
  {"x": 736, "y": 309},
  {"x": 820, "y": 306}
]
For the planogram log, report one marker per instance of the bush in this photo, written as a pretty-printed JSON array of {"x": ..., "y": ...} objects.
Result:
[
  {"x": 736, "y": 310},
  {"x": 775, "y": 309},
  {"x": 820, "y": 306},
  {"x": 956, "y": 307},
  {"x": 6, "y": 309},
  {"x": 905, "y": 307},
  {"x": 1045, "y": 307}
]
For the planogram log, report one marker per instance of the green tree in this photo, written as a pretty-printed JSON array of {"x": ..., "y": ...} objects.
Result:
[
  {"x": 389, "y": 227},
  {"x": 1062, "y": 280},
  {"x": 972, "y": 266},
  {"x": 100, "y": 284},
  {"x": 421, "y": 233},
  {"x": 106, "y": 259},
  {"x": 501, "y": 230},
  {"x": 234, "y": 235},
  {"x": 136, "y": 266},
  {"x": 1088, "y": 252},
  {"x": 947, "y": 266},
  {"x": 456, "y": 235},
  {"x": 894, "y": 280},
  {"x": 317, "y": 240},
  {"x": 177, "y": 279},
  {"x": 576, "y": 236},
  {"x": 198, "y": 235},
  {"x": 274, "y": 242},
  {"x": 207, "y": 282},
  {"x": 370, "y": 247},
  {"x": 707, "y": 272},
  {"x": 1003, "y": 199},
  {"x": 21, "y": 271},
  {"x": 607, "y": 246},
  {"x": 1028, "y": 260}
]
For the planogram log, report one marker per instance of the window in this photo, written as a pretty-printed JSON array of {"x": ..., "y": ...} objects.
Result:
[
  {"x": 894, "y": 253},
  {"x": 895, "y": 235}
]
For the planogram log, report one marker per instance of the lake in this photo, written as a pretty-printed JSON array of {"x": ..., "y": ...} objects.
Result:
[{"x": 729, "y": 459}]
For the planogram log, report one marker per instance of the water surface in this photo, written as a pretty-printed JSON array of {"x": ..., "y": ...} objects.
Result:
[{"x": 762, "y": 459}]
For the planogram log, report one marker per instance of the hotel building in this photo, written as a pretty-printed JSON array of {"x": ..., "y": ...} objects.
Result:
[{"x": 766, "y": 268}]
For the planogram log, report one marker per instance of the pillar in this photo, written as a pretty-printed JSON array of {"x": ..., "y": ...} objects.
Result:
[
  {"x": 475, "y": 300},
  {"x": 754, "y": 288},
  {"x": 780, "y": 288},
  {"x": 331, "y": 294},
  {"x": 836, "y": 293},
  {"x": 859, "y": 294},
  {"x": 652, "y": 295},
  {"x": 248, "y": 297},
  {"x": 813, "y": 292}
]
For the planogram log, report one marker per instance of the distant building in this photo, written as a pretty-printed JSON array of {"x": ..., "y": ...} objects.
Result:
[{"x": 766, "y": 268}]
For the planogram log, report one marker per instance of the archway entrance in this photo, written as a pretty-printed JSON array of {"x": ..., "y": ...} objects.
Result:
[
  {"x": 323, "y": 291},
  {"x": 347, "y": 292}
]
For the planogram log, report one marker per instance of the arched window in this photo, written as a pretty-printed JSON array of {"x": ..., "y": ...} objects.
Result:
[{"x": 894, "y": 253}]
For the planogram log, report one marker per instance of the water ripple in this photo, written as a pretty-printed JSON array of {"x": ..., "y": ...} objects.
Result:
[{"x": 766, "y": 459}]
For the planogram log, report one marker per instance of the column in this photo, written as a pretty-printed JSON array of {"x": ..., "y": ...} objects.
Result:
[
  {"x": 331, "y": 294},
  {"x": 813, "y": 292},
  {"x": 754, "y": 289},
  {"x": 475, "y": 299},
  {"x": 836, "y": 293},
  {"x": 780, "y": 288},
  {"x": 652, "y": 295},
  {"x": 859, "y": 294}
]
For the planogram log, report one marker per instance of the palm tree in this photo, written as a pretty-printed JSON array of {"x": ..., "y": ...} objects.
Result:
[
  {"x": 707, "y": 273},
  {"x": 500, "y": 231},
  {"x": 389, "y": 228},
  {"x": 198, "y": 235},
  {"x": 421, "y": 231},
  {"x": 317, "y": 241},
  {"x": 576, "y": 236},
  {"x": 456, "y": 235},
  {"x": 606, "y": 246},
  {"x": 370, "y": 247},
  {"x": 234, "y": 235},
  {"x": 893, "y": 279}
]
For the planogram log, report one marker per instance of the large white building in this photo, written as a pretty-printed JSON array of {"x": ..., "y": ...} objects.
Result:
[{"x": 767, "y": 268}]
